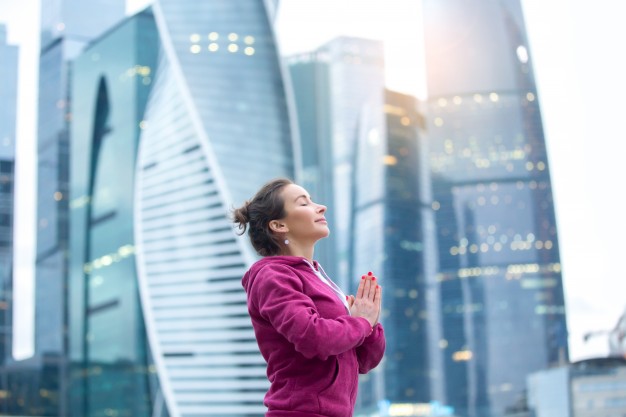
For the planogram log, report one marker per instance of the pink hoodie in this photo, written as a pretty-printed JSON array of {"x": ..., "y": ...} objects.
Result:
[{"x": 313, "y": 348}]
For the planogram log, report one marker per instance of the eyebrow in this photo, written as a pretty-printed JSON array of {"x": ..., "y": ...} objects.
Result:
[{"x": 300, "y": 196}]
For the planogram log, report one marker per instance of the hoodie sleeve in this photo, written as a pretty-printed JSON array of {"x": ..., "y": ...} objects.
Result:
[
  {"x": 277, "y": 293},
  {"x": 370, "y": 353}
]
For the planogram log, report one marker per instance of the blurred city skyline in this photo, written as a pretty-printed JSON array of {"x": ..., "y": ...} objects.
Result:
[{"x": 577, "y": 81}]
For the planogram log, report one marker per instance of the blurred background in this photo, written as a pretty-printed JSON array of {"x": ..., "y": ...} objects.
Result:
[{"x": 469, "y": 151}]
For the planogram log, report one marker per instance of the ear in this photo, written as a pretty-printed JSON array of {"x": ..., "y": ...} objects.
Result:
[{"x": 278, "y": 226}]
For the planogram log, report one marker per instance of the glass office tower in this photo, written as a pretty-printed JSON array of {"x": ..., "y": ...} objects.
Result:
[
  {"x": 66, "y": 27},
  {"x": 339, "y": 91},
  {"x": 216, "y": 128},
  {"x": 394, "y": 233},
  {"x": 8, "y": 108},
  {"x": 111, "y": 372},
  {"x": 500, "y": 284}
]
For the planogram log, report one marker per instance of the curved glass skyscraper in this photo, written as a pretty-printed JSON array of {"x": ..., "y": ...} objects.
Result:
[
  {"x": 500, "y": 285},
  {"x": 180, "y": 113},
  {"x": 216, "y": 128}
]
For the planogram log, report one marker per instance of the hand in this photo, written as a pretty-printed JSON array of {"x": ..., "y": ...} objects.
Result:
[{"x": 367, "y": 303}]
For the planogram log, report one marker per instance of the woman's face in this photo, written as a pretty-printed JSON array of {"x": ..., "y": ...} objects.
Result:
[{"x": 305, "y": 222}]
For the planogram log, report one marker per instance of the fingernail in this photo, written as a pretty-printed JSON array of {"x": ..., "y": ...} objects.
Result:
[
  {"x": 362, "y": 276},
  {"x": 377, "y": 286},
  {"x": 369, "y": 273},
  {"x": 347, "y": 298}
]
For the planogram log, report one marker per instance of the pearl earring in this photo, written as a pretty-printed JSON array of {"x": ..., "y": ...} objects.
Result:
[{"x": 286, "y": 241}]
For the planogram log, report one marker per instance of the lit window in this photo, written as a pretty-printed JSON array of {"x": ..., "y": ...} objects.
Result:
[
  {"x": 442, "y": 102},
  {"x": 213, "y": 47},
  {"x": 438, "y": 121},
  {"x": 454, "y": 251},
  {"x": 473, "y": 248},
  {"x": 373, "y": 137},
  {"x": 484, "y": 247},
  {"x": 529, "y": 166},
  {"x": 541, "y": 166},
  {"x": 478, "y": 98},
  {"x": 233, "y": 37},
  {"x": 58, "y": 196},
  {"x": 522, "y": 54},
  {"x": 233, "y": 48},
  {"x": 60, "y": 26},
  {"x": 249, "y": 51},
  {"x": 390, "y": 160},
  {"x": 443, "y": 343},
  {"x": 462, "y": 355},
  {"x": 405, "y": 121},
  {"x": 195, "y": 38},
  {"x": 530, "y": 97},
  {"x": 249, "y": 40},
  {"x": 497, "y": 247},
  {"x": 213, "y": 36},
  {"x": 457, "y": 100},
  {"x": 143, "y": 124},
  {"x": 195, "y": 49},
  {"x": 436, "y": 206},
  {"x": 548, "y": 244},
  {"x": 494, "y": 97},
  {"x": 144, "y": 71}
]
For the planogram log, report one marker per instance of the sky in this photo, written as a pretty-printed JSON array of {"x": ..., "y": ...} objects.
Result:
[{"x": 577, "y": 52}]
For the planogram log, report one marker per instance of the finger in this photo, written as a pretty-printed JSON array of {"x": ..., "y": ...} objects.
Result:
[
  {"x": 378, "y": 295},
  {"x": 367, "y": 289},
  {"x": 359, "y": 291},
  {"x": 350, "y": 299}
]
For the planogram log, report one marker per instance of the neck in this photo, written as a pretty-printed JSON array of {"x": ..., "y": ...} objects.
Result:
[{"x": 303, "y": 251}]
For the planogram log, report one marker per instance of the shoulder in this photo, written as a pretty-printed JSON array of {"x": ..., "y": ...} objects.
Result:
[{"x": 278, "y": 274}]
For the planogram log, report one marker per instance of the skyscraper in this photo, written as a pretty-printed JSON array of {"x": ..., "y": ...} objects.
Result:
[
  {"x": 500, "y": 285},
  {"x": 339, "y": 93},
  {"x": 216, "y": 128},
  {"x": 66, "y": 27},
  {"x": 404, "y": 242},
  {"x": 110, "y": 367},
  {"x": 364, "y": 157},
  {"x": 8, "y": 108}
]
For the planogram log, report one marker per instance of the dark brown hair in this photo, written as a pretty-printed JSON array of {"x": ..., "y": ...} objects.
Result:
[{"x": 256, "y": 214}]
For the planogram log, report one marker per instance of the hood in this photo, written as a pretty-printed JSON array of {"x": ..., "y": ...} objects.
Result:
[{"x": 292, "y": 261}]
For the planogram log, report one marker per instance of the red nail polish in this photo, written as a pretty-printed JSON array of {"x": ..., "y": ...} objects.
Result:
[
  {"x": 373, "y": 278},
  {"x": 377, "y": 286},
  {"x": 347, "y": 298},
  {"x": 369, "y": 273},
  {"x": 362, "y": 276}
]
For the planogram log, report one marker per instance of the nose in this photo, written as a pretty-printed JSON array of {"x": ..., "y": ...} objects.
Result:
[{"x": 321, "y": 208}]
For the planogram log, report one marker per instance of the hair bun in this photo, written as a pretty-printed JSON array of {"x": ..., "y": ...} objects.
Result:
[{"x": 241, "y": 216}]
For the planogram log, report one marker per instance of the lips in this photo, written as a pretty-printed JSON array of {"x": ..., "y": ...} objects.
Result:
[{"x": 320, "y": 220}]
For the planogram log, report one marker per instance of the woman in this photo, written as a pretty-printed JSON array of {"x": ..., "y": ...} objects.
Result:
[{"x": 315, "y": 339}]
